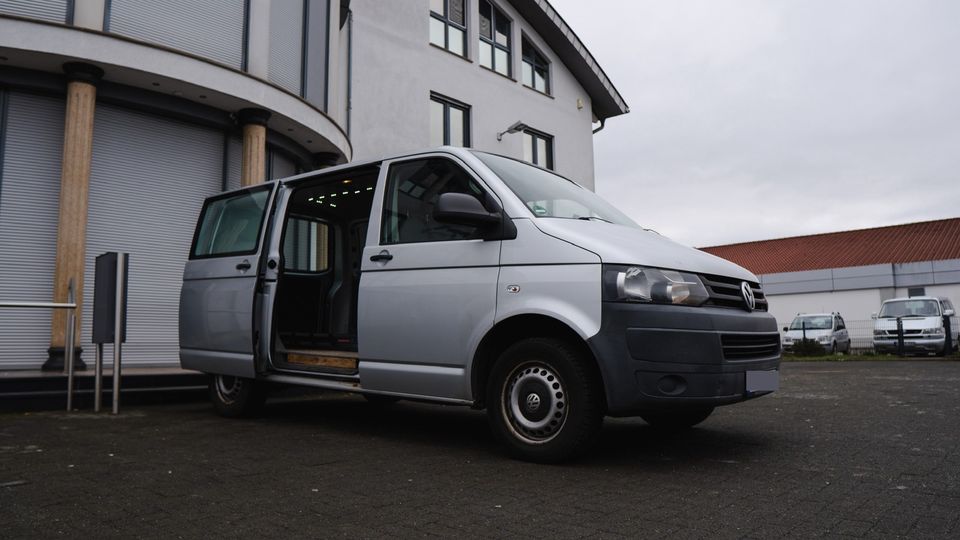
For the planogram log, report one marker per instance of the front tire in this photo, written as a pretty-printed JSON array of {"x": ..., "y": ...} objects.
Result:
[
  {"x": 544, "y": 400},
  {"x": 236, "y": 397},
  {"x": 677, "y": 420}
]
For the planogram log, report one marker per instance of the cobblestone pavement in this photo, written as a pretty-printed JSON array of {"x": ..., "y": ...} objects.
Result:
[{"x": 844, "y": 449}]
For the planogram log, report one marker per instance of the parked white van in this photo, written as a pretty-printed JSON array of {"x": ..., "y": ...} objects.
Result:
[
  {"x": 462, "y": 277},
  {"x": 922, "y": 320}
]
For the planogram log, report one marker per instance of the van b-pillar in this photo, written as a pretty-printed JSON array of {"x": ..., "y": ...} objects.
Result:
[
  {"x": 82, "y": 82},
  {"x": 253, "y": 165}
]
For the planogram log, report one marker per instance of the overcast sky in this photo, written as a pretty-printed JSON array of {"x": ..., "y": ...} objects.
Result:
[{"x": 763, "y": 119}]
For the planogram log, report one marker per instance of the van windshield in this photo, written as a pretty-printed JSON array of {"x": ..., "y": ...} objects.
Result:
[
  {"x": 910, "y": 308},
  {"x": 823, "y": 322},
  {"x": 549, "y": 195}
]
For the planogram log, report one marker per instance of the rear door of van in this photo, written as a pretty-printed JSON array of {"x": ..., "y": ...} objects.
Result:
[{"x": 220, "y": 281}]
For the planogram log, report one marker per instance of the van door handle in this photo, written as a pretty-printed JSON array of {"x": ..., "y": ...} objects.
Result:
[
  {"x": 383, "y": 256},
  {"x": 243, "y": 266}
]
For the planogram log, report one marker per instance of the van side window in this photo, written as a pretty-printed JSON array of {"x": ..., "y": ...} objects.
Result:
[
  {"x": 840, "y": 325},
  {"x": 413, "y": 188},
  {"x": 231, "y": 225},
  {"x": 306, "y": 245}
]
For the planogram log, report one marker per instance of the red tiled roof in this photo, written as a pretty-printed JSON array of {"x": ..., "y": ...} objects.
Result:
[{"x": 913, "y": 242}]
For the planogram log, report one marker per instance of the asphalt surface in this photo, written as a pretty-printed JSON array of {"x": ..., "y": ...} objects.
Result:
[{"x": 857, "y": 449}]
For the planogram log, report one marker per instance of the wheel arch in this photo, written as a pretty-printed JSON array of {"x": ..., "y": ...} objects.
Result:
[{"x": 513, "y": 329}]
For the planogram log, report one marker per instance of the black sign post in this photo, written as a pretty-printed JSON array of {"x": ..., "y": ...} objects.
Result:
[{"x": 109, "y": 318}]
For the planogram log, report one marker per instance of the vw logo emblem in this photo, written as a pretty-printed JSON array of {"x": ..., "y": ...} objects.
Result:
[
  {"x": 533, "y": 402},
  {"x": 748, "y": 297}
]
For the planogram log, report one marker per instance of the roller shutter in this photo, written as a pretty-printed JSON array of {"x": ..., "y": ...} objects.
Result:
[
  {"x": 234, "y": 162},
  {"x": 212, "y": 28},
  {"x": 47, "y": 10},
  {"x": 281, "y": 166},
  {"x": 286, "y": 44},
  {"x": 149, "y": 178},
  {"x": 29, "y": 209}
]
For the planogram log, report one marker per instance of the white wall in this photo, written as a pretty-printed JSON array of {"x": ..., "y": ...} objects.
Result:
[
  {"x": 395, "y": 68},
  {"x": 853, "y": 305},
  {"x": 951, "y": 291}
]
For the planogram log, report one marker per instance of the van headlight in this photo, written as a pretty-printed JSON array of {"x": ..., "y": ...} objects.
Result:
[
  {"x": 933, "y": 332},
  {"x": 652, "y": 285}
]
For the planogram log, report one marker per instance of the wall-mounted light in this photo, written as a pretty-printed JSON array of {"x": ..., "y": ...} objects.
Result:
[{"x": 515, "y": 128}]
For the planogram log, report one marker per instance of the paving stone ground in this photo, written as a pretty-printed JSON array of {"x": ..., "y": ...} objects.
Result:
[{"x": 844, "y": 449}]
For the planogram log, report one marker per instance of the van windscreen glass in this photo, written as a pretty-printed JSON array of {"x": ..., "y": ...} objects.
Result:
[
  {"x": 910, "y": 308},
  {"x": 549, "y": 195}
]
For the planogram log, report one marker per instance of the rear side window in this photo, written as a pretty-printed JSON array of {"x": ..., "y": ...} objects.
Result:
[
  {"x": 231, "y": 225},
  {"x": 306, "y": 245}
]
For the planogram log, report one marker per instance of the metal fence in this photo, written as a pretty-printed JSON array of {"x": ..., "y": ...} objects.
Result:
[{"x": 861, "y": 333}]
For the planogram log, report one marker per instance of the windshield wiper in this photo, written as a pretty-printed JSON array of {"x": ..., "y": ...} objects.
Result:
[{"x": 591, "y": 218}]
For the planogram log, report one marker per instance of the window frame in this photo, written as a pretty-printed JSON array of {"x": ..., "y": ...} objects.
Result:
[
  {"x": 524, "y": 40},
  {"x": 268, "y": 187},
  {"x": 495, "y": 15},
  {"x": 447, "y": 23},
  {"x": 454, "y": 161},
  {"x": 549, "y": 139},
  {"x": 447, "y": 104}
]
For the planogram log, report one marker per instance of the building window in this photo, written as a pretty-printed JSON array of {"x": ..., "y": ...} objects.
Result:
[
  {"x": 448, "y": 25},
  {"x": 538, "y": 149},
  {"x": 449, "y": 122},
  {"x": 535, "y": 69},
  {"x": 916, "y": 291},
  {"x": 494, "y": 39}
]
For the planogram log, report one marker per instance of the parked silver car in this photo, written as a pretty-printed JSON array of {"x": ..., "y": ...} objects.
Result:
[
  {"x": 461, "y": 277},
  {"x": 827, "y": 329}
]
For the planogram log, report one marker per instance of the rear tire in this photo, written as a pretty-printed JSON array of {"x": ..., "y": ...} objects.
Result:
[
  {"x": 544, "y": 400},
  {"x": 677, "y": 420},
  {"x": 236, "y": 397}
]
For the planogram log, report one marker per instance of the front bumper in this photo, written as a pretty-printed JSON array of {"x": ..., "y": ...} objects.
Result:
[
  {"x": 910, "y": 344},
  {"x": 655, "y": 356}
]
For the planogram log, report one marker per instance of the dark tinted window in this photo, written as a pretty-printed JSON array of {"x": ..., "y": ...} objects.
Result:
[
  {"x": 231, "y": 225},
  {"x": 412, "y": 191}
]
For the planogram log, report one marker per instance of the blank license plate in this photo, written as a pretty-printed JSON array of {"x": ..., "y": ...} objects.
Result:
[{"x": 763, "y": 381}]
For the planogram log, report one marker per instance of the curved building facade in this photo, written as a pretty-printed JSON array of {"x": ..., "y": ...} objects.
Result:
[{"x": 118, "y": 117}]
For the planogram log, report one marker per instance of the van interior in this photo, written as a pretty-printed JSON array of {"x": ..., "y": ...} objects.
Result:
[{"x": 325, "y": 229}]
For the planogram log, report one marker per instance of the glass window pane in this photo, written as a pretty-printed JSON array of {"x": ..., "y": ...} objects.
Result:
[
  {"x": 486, "y": 29},
  {"x": 526, "y": 71},
  {"x": 456, "y": 40},
  {"x": 456, "y": 12},
  {"x": 437, "y": 28},
  {"x": 457, "y": 125},
  {"x": 232, "y": 225},
  {"x": 539, "y": 81},
  {"x": 528, "y": 147},
  {"x": 408, "y": 216},
  {"x": 485, "y": 51},
  {"x": 503, "y": 61},
  {"x": 542, "y": 152},
  {"x": 436, "y": 6},
  {"x": 436, "y": 123},
  {"x": 503, "y": 30}
]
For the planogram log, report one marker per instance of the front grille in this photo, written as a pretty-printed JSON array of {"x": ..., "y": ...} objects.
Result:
[
  {"x": 750, "y": 346},
  {"x": 893, "y": 333},
  {"x": 725, "y": 292}
]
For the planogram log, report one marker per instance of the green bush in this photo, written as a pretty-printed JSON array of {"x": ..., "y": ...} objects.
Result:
[{"x": 808, "y": 347}]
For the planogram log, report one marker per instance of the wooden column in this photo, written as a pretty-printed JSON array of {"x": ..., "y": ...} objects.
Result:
[
  {"x": 254, "y": 164},
  {"x": 74, "y": 190}
]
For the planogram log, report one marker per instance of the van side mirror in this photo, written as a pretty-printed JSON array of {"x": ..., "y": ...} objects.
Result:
[
  {"x": 873, "y": 315},
  {"x": 463, "y": 209},
  {"x": 785, "y": 329},
  {"x": 948, "y": 313}
]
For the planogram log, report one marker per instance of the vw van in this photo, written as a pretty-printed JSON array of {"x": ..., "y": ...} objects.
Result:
[
  {"x": 922, "y": 322},
  {"x": 460, "y": 277}
]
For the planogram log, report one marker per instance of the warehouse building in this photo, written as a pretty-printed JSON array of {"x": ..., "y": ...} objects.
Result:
[
  {"x": 118, "y": 117},
  {"x": 852, "y": 272}
]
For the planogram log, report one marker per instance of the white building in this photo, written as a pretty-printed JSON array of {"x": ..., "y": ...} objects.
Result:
[{"x": 118, "y": 117}]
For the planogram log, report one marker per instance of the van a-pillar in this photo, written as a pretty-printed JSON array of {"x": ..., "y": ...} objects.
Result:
[
  {"x": 81, "y": 102},
  {"x": 253, "y": 165}
]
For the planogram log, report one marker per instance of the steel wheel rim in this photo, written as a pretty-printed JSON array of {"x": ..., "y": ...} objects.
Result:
[
  {"x": 228, "y": 388},
  {"x": 534, "y": 403}
]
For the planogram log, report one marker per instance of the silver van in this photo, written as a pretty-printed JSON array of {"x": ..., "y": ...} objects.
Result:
[
  {"x": 922, "y": 321},
  {"x": 461, "y": 277}
]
